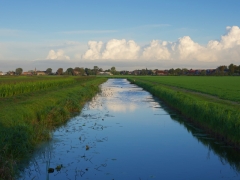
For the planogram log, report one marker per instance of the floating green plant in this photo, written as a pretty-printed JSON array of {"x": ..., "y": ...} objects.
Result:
[{"x": 59, "y": 167}]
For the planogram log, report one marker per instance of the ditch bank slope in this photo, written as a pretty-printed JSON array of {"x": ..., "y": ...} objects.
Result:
[
  {"x": 216, "y": 117},
  {"x": 26, "y": 120}
]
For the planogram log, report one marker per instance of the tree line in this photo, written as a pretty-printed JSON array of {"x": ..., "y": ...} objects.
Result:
[
  {"x": 69, "y": 71},
  {"x": 222, "y": 70}
]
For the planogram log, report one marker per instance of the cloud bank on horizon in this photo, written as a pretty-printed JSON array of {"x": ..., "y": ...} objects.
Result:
[{"x": 184, "y": 49}]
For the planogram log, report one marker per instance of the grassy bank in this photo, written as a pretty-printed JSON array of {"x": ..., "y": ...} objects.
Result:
[
  {"x": 27, "y": 119},
  {"x": 218, "y": 117},
  {"x": 15, "y": 86},
  {"x": 222, "y": 87}
]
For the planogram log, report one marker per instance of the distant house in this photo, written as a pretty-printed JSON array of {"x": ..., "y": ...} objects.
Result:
[
  {"x": 11, "y": 73},
  {"x": 41, "y": 73},
  {"x": 192, "y": 72},
  {"x": 27, "y": 73},
  {"x": 105, "y": 73},
  {"x": 76, "y": 72},
  {"x": 136, "y": 72},
  {"x": 2, "y": 73},
  {"x": 123, "y": 72},
  {"x": 198, "y": 71},
  {"x": 161, "y": 72},
  {"x": 210, "y": 71},
  {"x": 195, "y": 71}
]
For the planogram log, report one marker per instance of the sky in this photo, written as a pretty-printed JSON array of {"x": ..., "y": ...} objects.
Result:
[{"x": 136, "y": 34}]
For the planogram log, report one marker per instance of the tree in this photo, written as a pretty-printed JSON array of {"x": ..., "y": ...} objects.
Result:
[
  {"x": 60, "y": 71},
  {"x": 88, "y": 71},
  {"x": 76, "y": 71},
  {"x": 171, "y": 71},
  {"x": 178, "y": 71},
  {"x": 79, "y": 70},
  {"x": 19, "y": 71},
  {"x": 95, "y": 67},
  {"x": 238, "y": 69},
  {"x": 69, "y": 71},
  {"x": 49, "y": 71},
  {"x": 222, "y": 68},
  {"x": 95, "y": 70},
  {"x": 143, "y": 72},
  {"x": 82, "y": 72},
  {"x": 113, "y": 70},
  {"x": 203, "y": 73},
  {"x": 232, "y": 68},
  {"x": 184, "y": 71}
]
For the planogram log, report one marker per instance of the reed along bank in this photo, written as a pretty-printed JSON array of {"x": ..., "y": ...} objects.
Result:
[
  {"x": 28, "y": 116},
  {"x": 221, "y": 118}
]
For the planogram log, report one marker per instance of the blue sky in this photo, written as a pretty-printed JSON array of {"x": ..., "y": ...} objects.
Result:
[{"x": 53, "y": 33}]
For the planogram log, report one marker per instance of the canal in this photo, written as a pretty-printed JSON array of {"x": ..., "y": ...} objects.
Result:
[{"x": 126, "y": 133}]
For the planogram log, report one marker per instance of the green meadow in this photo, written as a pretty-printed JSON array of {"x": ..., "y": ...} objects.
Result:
[
  {"x": 216, "y": 108},
  {"x": 31, "y": 107},
  {"x": 224, "y": 87}
]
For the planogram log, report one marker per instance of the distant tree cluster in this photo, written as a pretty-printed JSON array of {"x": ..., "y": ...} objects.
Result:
[
  {"x": 84, "y": 71},
  {"x": 219, "y": 71},
  {"x": 223, "y": 70}
]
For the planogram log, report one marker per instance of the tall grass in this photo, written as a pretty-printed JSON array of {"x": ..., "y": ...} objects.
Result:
[
  {"x": 220, "y": 119},
  {"x": 8, "y": 89},
  {"x": 27, "y": 119},
  {"x": 223, "y": 87}
]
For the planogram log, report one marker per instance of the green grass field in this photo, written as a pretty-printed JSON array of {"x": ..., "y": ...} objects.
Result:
[
  {"x": 223, "y": 87},
  {"x": 20, "y": 85}
]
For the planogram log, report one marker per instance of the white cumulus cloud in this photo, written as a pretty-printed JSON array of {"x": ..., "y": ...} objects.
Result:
[
  {"x": 156, "y": 50},
  {"x": 94, "y": 50},
  {"x": 230, "y": 40},
  {"x": 228, "y": 47},
  {"x": 121, "y": 49},
  {"x": 185, "y": 49},
  {"x": 58, "y": 55},
  {"x": 113, "y": 49}
]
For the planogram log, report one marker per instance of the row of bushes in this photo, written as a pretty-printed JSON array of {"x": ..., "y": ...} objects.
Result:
[{"x": 222, "y": 120}]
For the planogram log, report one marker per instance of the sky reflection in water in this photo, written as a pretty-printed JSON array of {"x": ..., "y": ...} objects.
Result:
[{"x": 130, "y": 135}]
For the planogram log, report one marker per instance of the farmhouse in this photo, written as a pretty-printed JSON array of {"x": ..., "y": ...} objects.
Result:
[
  {"x": 11, "y": 73},
  {"x": 27, "y": 73},
  {"x": 161, "y": 72},
  {"x": 2, "y": 73},
  {"x": 105, "y": 73},
  {"x": 41, "y": 73},
  {"x": 210, "y": 71}
]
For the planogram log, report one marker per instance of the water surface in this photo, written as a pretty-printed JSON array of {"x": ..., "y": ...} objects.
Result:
[{"x": 126, "y": 133}]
